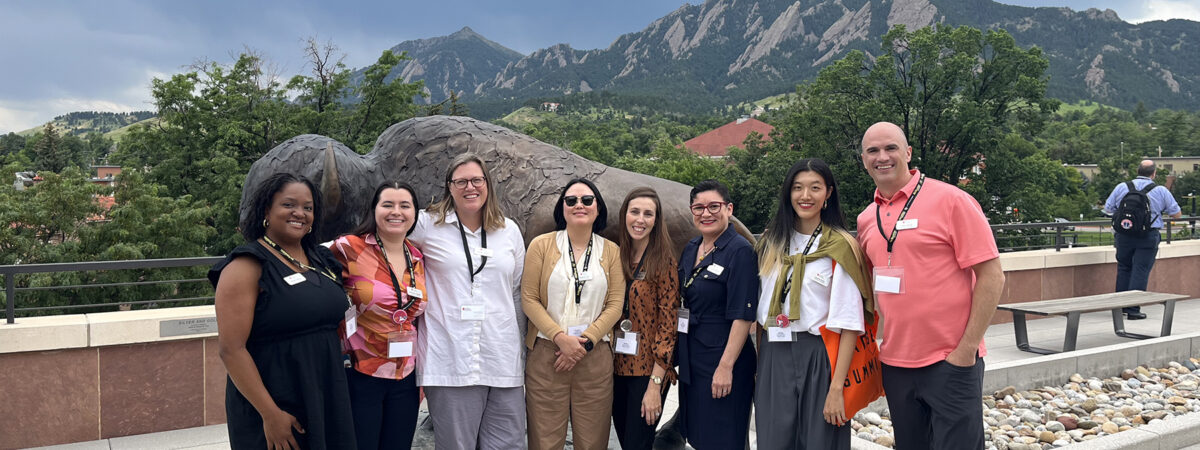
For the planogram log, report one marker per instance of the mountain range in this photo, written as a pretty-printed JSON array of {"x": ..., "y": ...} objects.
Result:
[{"x": 727, "y": 51}]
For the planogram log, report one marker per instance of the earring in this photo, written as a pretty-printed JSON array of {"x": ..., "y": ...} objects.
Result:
[
  {"x": 309, "y": 230},
  {"x": 266, "y": 224},
  {"x": 825, "y": 206}
]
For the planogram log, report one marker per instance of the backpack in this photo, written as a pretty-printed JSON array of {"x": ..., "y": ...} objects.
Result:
[{"x": 1133, "y": 215}]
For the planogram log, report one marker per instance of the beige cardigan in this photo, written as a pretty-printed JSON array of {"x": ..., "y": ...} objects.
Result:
[{"x": 540, "y": 258}]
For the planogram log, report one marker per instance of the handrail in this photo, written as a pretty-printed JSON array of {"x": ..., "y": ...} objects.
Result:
[
  {"x": 1064, "y": 235},
  {"x": 10, "y": 271}
]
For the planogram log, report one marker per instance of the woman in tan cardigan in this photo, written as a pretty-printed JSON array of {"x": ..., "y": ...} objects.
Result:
[{"x": 572, "y": 291}]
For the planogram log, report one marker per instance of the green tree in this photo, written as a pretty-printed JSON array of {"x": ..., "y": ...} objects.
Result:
[{"x": 383, "y": 102}]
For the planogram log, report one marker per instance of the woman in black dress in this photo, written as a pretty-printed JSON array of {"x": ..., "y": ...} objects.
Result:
[
  {"x": 279, "y": 301},
  {"x": 718, "y": 278}
]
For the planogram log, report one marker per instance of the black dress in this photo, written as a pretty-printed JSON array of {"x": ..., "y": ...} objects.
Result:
[
  {"x": 293, "y": 341},
  {"x": 714, "y": 301}
]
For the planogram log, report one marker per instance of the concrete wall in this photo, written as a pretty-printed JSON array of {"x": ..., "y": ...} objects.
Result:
[
  {"x": 87, "y": 377},
  {"x": 1047, "y": 274}
]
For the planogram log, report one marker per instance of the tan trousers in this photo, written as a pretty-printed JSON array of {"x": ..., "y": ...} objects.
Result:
[{"x": 583, "y": 395}]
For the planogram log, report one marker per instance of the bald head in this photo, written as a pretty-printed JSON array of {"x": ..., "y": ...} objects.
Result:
[
  {"x": 1146, "y": 169},
  {"x": 885, "y": 154},
  {"x": 886, "y": 130}
]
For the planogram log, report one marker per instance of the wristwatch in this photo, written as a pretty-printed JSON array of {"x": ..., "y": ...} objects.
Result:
[
  {"x": 656, "y": 379},
  {"x": 587, "y": 345}
]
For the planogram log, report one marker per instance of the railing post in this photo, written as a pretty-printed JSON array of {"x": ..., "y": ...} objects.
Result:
[
  {"x": 9, "y": 294},
  {"x": 1168, "y": 222},
  {"x": 1058, "y": 238}
]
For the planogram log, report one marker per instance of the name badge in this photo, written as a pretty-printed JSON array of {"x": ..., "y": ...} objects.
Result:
[
  {"x": 472, "y": 312},
  {"x": 683, "y": 314},
  {"x": 351, "y": 321},
  {"x": 627, "y": 343},
  {"x": 482, "y": 251},
  {"x": 906, "y": 224},
  {"x": 821, "y": 279},
  {"x": 779, "y": 334},
  {"x": 716, "y": 269},
  {"x": 415, "y": 293},
  {"x": 889, "y": 280},
  {"x": 586, "y": 276},
  {"x": 294, "y": 279},
  {"x": 400, "y": 343},
  {"x": 576, "y": 330}
]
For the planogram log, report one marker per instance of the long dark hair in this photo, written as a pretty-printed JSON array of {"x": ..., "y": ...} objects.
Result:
[
  {"x": 772, "y": 246},
  {"x": 560, "y": 221},
  {"x": 366, "y": 225},
  {"x": 252, "y": 225},
  {"x": 658, "y": 254}
]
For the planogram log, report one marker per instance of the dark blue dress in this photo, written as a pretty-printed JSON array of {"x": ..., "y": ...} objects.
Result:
[
  {"x": 294, "y": 343},
  {"x": 714, "y": 302}
]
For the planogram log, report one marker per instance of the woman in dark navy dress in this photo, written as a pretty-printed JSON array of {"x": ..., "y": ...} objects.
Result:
[
  {"x": 718, "y": 275},
  {"x": 279, "y": 301}
]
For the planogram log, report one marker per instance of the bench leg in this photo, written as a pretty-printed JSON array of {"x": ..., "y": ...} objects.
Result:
[
  {"x": 1119, "y": 325},
  {"x": 1072, "y": 332},
  {"x": 1168, "y": 317},
  {"x": 1022, "y": 335}
]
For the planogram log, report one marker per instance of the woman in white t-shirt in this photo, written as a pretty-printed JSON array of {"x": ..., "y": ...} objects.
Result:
[{"x": 811, "y": 280}]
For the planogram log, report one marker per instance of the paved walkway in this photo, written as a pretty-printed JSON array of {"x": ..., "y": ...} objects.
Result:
[{"x": 1095, "y": 330}]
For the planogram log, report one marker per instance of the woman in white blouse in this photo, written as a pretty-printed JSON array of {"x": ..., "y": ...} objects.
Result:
[
  {"x": 811, "y": 282},
  {"x": 572, "y": 291},
  {"x": 469, "y": 357}
]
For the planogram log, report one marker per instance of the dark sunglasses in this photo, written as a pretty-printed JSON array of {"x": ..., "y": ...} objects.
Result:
[{"x": 570, "y": 200}]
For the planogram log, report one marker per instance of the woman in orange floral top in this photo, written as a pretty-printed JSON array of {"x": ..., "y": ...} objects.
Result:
[
  {"x": 385, "y": 278},
  {"x": 646, "y": 332}
]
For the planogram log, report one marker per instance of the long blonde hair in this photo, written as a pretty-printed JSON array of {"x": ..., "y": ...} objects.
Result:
[{"x": 493, "y": 219}]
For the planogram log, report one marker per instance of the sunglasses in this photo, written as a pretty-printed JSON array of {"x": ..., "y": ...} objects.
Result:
[{"x": 571, "y": 200}]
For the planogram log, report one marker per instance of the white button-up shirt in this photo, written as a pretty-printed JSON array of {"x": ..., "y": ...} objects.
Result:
[
  {"x": 455, "y": 352},
  {"x": 836, "y": 303}
]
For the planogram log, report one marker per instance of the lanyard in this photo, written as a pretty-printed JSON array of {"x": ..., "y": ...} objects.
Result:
[
  {"x": 587, "y": 258},
  {"x": 903, "y": 212},
  {"x": 467, "y": 250},
  {"x": 629, "y": 284},
  {"x": 299, "y": 264},
  {"x": 688, "y": 283},
  {"x": 396, "y": 285},
  {"x": 787, "y": 285}
]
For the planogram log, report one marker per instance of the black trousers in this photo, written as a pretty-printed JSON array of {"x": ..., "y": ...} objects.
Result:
[
  {"x": 385, "y": 411},
  {"x": 1135, "y": 258},
  {"x": 939, "y": 406},
  {"x": 632, "y": 431}
]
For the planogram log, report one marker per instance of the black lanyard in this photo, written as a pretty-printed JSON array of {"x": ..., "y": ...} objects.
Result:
[
  {"x": 396, "y": 285},
  {"x": 688, "y": 283},
  {"x": 299, "y": 264},
  {"x": 467, "y": 250},
  {"x": 587, "y": 258},
  {"x": 787, "y": 285},
  {"x": 903, "y": 212},
  {"x": 629, "y": 284}
]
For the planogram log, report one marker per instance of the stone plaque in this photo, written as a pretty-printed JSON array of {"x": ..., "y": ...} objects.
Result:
[{"x": 184, "y": 327}]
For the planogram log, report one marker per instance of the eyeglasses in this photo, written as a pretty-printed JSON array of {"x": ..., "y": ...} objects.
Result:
[
  {"x": 461, "y": 183},
  {"x": 570, "y": 200},
  {"x": 713, "y": 208}
]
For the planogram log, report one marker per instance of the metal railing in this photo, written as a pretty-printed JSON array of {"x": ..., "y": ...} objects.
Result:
[
  {"x": 1059, "y": 235},
  {"x": 1009, "y": 238},
  {"x": 11, "y": 272}
]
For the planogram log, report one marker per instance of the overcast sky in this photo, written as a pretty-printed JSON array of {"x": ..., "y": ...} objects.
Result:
[{"x": 61, "y": 56}]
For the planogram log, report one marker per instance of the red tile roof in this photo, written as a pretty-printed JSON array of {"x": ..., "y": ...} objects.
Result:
[{"x": 732, "y": 134}]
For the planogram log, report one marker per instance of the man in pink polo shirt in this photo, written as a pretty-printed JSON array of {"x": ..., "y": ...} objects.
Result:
[{"x": 937, "y": 282}]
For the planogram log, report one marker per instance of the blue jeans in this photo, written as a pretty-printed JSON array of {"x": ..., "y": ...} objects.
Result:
[{"x": 1135, "y": 258}]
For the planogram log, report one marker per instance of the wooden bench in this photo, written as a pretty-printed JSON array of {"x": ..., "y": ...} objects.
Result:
[{"x": 1073, "y": 307}]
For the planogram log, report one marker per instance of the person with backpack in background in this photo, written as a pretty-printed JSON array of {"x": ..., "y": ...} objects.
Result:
[{"x": 1137, "y": 207}]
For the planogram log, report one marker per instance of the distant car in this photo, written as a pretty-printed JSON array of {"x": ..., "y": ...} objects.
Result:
[{"x": 1062, "y": 220}]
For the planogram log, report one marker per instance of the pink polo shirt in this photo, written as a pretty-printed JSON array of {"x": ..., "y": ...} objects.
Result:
[{"x": 924, "y": 324}]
